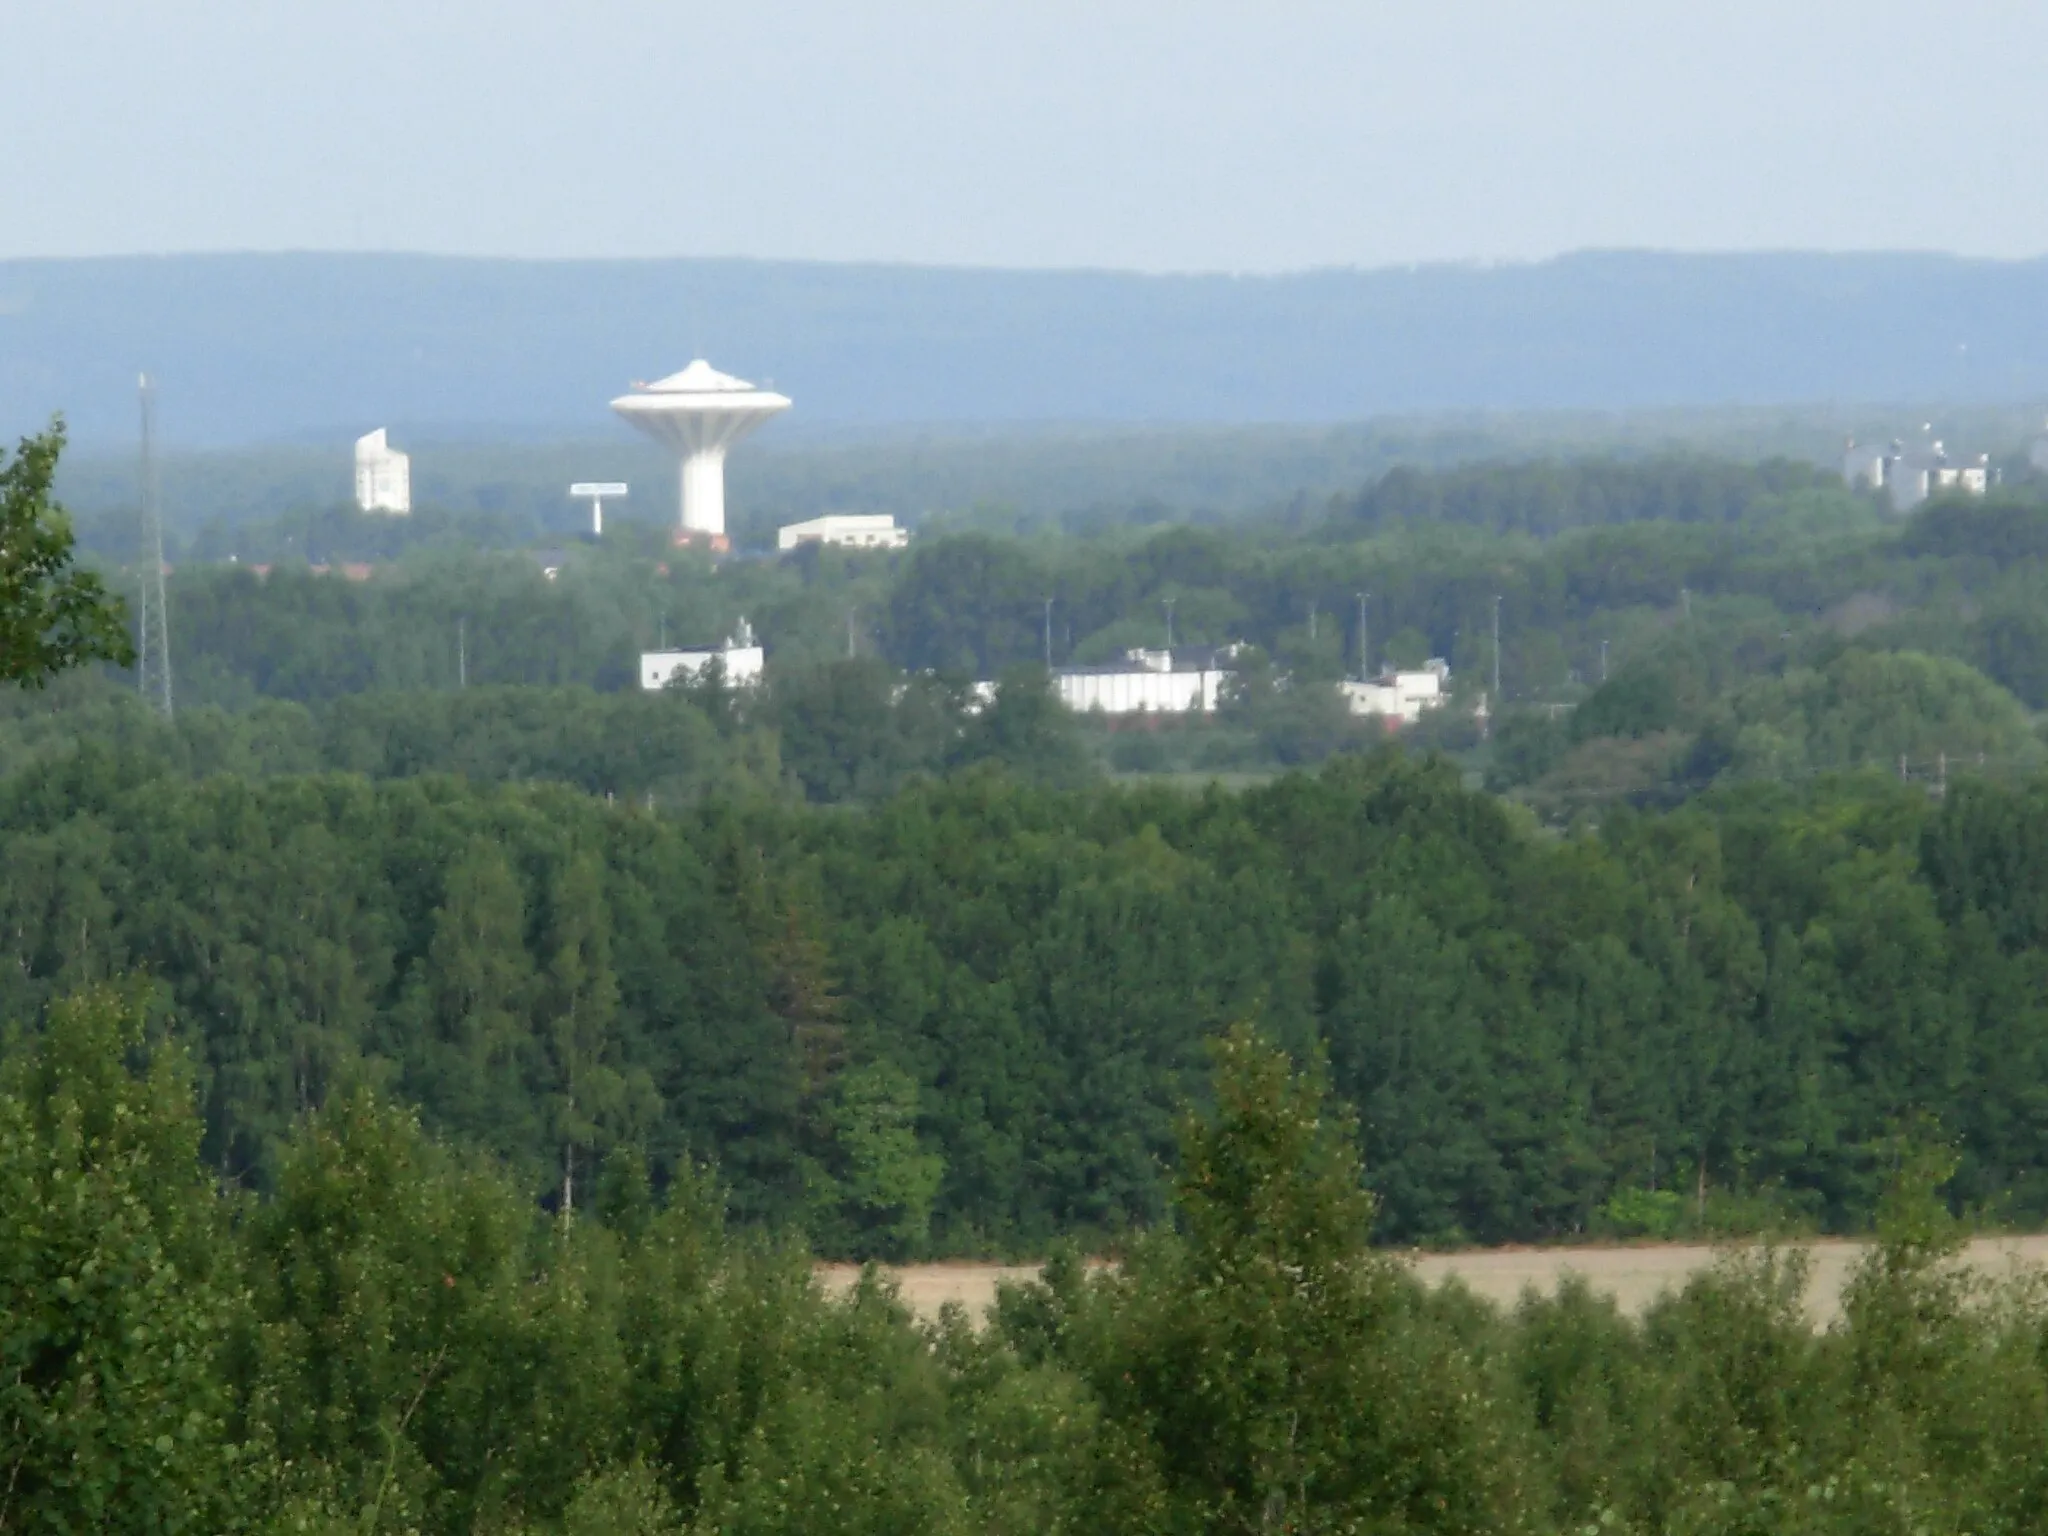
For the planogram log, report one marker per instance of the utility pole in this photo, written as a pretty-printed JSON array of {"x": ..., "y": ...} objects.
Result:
[
  {"x": 1048, "y": 634},
  {"x": 1364, "y": 666},
  {"x": 1603, "y": 661},
  {"x": 1311, "y": 621},
  {"x": 153, "y": 662},
  {"x": 1169, "y": 621},
  {"x": 849, "y": 632},
  {"x": 1496, "y": 650}
]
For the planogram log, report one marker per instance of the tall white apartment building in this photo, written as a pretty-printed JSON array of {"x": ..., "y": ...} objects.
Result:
[{"x": 383, "y": 475}]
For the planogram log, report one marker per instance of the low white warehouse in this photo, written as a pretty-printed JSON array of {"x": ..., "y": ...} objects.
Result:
[
  {"x": 846, "y": 530},
  {"x": 741, "y": 654},
  {"x": 1181, "y": 682}
]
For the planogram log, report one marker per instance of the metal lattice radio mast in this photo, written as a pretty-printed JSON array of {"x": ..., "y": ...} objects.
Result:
[{"x": 153, "y": 669}]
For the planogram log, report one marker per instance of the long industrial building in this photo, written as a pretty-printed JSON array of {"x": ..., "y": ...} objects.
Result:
[{"x": 1177, "y": 682}]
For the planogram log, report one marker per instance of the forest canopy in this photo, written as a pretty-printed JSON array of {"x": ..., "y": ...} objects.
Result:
[
  {"x": 435, "y": 1063},
  {"x": 960, "y": 1021},
  {"x": 392, "y": 1342}
]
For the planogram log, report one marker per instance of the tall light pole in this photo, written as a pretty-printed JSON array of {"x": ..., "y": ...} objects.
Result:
[
  {"x": 1169, "y": 621},
  {"x": 1603, "y": 661},
  {"x": 1364, "y": 666},
  {"x": 1048, "y": 634},
  {"x": 1496, "y": 650}
]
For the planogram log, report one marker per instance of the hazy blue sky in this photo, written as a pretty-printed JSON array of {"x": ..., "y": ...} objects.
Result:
[{"x": 1162, "y": 134}]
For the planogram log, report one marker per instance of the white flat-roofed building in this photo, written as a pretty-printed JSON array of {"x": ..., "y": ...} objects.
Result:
[
  {"x": 846, "y": 530},
  {"x": 383, "y": 475},
  {"x": 1185, "y": 682},
  {"x": 741, "y": 655},
  {"x": 1913, "y": 477},
  {"x": 1399, "y": 696}
]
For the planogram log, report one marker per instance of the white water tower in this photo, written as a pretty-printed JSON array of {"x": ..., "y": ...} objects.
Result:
[{"x": 699, "y": 414}]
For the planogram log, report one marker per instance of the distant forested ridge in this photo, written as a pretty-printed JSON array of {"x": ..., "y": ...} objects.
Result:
[
  {"x": 1548, "y": 496},
  {"x": 256, "y": 348}
]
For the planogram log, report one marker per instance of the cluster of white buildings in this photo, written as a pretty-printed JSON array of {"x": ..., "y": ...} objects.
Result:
[
  {"x": 1911, "y": 475},
  {"x": 1194, "y": 681},
  {"x": 700, "y": 415},
  {"x": 1400, "y": 695},
  {"x": 1144, "y": 682}
]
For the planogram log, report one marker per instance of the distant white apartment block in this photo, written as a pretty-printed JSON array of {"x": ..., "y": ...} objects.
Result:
[
  {"x": 1911, "y": 475},
  {"x": 1402, "y": 696},
  {"x": 741, "y": 656},
  {"x": 383, "y": 475},
  {"x": 846, "y": 531}
]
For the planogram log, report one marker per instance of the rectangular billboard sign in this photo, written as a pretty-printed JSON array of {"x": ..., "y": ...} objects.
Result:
[{"x": 598, "y": 488}]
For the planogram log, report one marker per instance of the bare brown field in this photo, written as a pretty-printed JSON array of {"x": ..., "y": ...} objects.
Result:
[{"x": 1634, "y": 1275}]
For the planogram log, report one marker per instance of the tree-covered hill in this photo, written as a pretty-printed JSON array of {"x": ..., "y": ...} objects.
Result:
[{"x": 253, "y": 348}]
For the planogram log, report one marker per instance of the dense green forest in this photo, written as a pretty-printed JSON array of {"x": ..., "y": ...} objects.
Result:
[
  {"x": 436, "y": 1063},
  {"x": 1675, "y": 949},
  {"x": 394, "y": 1341},
  {"x": 1665, "y": 623},
  {"x": 959, "y": 1020}
]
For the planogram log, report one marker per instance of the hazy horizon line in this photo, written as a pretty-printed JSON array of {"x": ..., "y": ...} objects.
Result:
[{"x": 1325, "y": 269}]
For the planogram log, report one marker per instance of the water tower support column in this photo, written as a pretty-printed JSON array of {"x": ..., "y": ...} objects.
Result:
[{"x": 703, "y": 491}]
